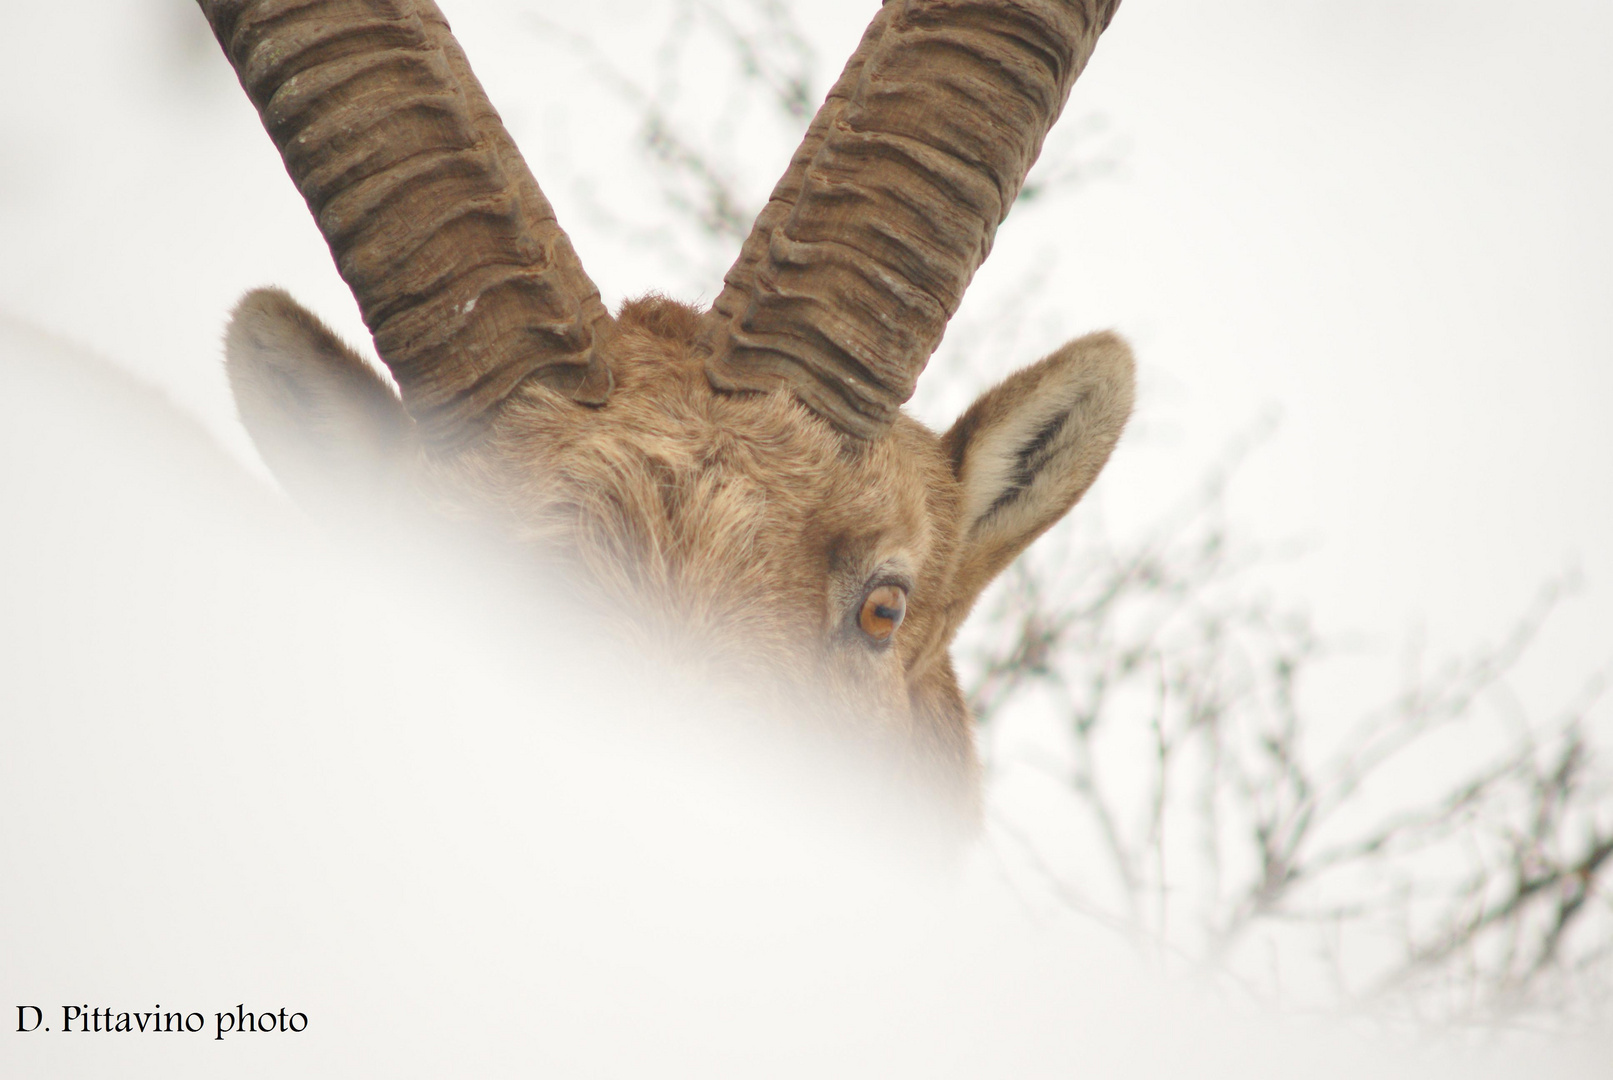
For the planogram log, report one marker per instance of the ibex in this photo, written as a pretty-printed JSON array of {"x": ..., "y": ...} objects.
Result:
[{"x": 740, "y": 478}]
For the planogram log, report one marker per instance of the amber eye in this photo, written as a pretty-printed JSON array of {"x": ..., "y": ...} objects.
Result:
[{"x": 882, "y": 612}]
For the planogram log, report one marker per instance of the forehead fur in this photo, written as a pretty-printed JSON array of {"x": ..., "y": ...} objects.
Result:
[{"x": 676, "y": 491}]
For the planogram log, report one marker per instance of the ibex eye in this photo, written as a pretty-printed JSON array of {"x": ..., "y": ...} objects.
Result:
[{"x": 882, "y": 612}]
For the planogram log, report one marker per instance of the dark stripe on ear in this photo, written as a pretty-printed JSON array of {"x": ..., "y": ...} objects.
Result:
[{"x": 1031, "y": 458}]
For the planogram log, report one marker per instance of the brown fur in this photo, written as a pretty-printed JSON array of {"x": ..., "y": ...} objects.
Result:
[{"x": 740, "y": 532}]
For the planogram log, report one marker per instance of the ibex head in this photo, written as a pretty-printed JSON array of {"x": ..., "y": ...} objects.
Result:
[{"x": 741, "y": 479}]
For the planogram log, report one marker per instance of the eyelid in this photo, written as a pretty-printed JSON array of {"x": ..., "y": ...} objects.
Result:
[{"x": 888, "y": 576}]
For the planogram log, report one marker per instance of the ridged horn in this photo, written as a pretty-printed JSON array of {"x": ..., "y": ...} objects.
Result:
[
  {"x": 460, "y": 269},
  {"x": 846, "y": 282}
]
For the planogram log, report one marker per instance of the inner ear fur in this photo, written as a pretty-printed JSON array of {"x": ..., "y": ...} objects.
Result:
[
  {"x": 1029, "y": 448},
  {"x": 327, "y": 424}
]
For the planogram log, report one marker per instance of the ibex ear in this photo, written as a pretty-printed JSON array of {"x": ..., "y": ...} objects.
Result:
[
  {"x": 1029, "y": 448},
  {"x": 327, "y": 425}
]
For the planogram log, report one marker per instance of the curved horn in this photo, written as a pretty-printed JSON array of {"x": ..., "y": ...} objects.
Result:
[
  {"x": 846, "y": 282},
  {"x": 462, "y": 273}
]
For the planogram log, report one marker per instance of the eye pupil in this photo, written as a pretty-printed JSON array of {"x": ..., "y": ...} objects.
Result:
[{"x": 882, "y": 612}]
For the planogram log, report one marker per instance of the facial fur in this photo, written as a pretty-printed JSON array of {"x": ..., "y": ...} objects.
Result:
[{"x": 739, "y": 534}]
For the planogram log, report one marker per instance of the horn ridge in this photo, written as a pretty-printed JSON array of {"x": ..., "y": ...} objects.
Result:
[
  {"x": 454, "y": 255},
  {"x": 844, "y": 287}
]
